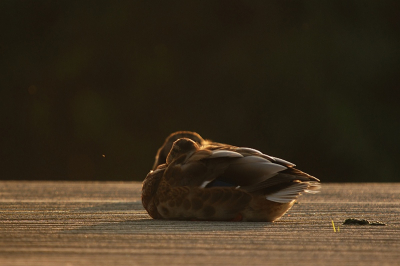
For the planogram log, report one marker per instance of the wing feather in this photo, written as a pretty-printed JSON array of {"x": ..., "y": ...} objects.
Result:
[
  {"x": 224, "y": 153},
  {"x": 250, "y": 170},
  {"x": 292, "y": 192}
]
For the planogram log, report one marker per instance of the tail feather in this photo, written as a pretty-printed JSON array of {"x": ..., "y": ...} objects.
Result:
[{"x": 294, "y": 191}]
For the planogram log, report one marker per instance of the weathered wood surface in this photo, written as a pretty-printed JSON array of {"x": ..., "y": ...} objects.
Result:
[{"x": 91, "y": 223}]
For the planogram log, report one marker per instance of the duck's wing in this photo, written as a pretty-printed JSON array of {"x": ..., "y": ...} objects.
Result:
[
  {"x": 250, "y": 170},
  {"x": 228, "y": 167},
  {"x": 259, "y": 173}
]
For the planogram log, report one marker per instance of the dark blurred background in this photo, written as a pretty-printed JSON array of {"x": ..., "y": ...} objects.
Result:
[{"x": 90, "y": 89}]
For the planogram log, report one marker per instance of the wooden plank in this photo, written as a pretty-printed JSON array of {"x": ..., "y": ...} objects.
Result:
[{"x": 93, "y": 223}]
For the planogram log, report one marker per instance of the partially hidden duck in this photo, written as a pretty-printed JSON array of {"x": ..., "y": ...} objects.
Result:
[{"x": 197, "y": 179}]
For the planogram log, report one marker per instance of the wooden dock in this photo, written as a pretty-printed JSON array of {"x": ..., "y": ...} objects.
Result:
[{"x": 104, "y": 223}]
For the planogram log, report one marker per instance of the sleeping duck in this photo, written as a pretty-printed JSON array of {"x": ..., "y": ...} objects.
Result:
[{"x": 197, "y": 179}]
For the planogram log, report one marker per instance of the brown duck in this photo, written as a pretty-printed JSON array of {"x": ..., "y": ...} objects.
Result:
[{"x": 197, "y": 179}]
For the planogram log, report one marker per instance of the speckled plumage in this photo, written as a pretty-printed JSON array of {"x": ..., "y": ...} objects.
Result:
[{"x": 197, "y": 179}]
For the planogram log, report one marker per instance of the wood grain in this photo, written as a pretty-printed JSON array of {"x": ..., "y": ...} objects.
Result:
[{"x": 94, "y": 223}]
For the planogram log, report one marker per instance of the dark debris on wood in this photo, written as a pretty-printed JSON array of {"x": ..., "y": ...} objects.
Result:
[{"x": 355, "y": 221}]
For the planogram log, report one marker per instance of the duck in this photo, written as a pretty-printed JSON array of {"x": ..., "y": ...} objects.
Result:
[{"x": 200, "y": 180}]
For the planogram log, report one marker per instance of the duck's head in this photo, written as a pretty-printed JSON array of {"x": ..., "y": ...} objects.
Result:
[
  {"x": 163, "y": 152},
  {"x": 183, "y": 146}
]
